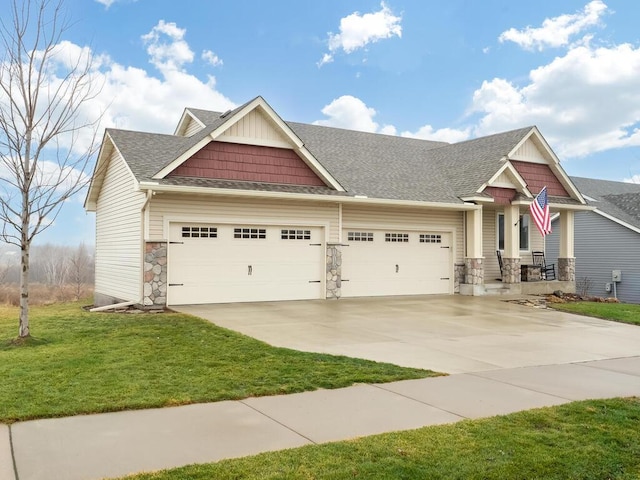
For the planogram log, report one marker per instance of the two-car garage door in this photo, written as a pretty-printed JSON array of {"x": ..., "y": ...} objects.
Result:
[
  {"x": 391, "y": 262},
  {"x": 217, "y": 263}
]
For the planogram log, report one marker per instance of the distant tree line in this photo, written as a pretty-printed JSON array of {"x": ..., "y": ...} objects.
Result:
[{"x": 53, "y": 265}]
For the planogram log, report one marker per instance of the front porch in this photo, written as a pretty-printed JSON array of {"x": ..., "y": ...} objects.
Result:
[{"x": 505, "y": 232}]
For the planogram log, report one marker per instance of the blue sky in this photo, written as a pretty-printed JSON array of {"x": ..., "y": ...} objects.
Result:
[{"x": 438, "y": 70}]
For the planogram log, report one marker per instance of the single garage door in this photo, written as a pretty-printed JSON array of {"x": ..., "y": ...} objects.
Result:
[
  {"x": 390, "y": 262},
  {"x": 217, "y": 263}
]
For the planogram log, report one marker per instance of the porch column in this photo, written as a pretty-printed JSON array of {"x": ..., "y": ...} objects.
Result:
[
  {"x": 566, "y": 259},
  {"x": 511, "y": 257},
  {"x": 474, "y": 260}
]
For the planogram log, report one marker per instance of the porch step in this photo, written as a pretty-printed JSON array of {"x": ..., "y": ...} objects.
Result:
[{"x": 497, "y": 289}]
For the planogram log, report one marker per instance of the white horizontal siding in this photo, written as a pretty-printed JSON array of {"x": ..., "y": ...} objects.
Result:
[
  {"x": 192, "y": 127},
  {"x": 407, "y": 219},
  {"x": 118, "y": 234},
  {"x": 169, "y": 207},
  {"x": 490, "y": 239}
]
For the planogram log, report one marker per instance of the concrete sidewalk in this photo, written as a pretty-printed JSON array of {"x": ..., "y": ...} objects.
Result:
[{"x": 116, "y": 444}]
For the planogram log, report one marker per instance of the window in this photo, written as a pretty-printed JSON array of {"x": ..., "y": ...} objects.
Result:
[
  {"x": 295, "y": 234},
  {"x": 430, "y": 238},
  {"x": 396, "y": 237},
  {"x": 524, "y": 231},
  {"x": 249, "y": 233},
  {"x": 360, "y": 236},
  {"x": 199, "y": 232}
]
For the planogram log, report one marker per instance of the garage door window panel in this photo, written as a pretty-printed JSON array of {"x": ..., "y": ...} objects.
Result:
[
  {"x": 396, "y": 237},
  {"x": 430, "y": 238},
  {"x": 360, "y": 236},
  {"x": 290, "y": 234},
  {"x": 250, "y": 233},
  {"x": 199, "y": 232}
]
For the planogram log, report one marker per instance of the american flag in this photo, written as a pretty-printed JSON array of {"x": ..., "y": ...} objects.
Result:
[{"x": 540, "y": 212}]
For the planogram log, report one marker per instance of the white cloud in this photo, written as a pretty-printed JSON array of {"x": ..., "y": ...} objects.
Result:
[
  {"x": 633, "y": 179},
  {"x": 585, "y": 101},
  {"x": 357, "y": 31},
  {"x": 166, "y": 46},
  {"x": 349, "y": 112},
  {"x": 211, "y": 58},
  {"x": 449, "y": 135},
  {"x": 108, "y": 3},
  {"x": 556, "y": 31}
]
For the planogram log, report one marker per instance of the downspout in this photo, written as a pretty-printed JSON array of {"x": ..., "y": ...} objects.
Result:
[{"x": 143, "y": 231}]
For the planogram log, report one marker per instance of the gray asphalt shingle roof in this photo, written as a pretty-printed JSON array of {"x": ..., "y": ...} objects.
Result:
[
  {"x": 369, "y": 164},
  {"x": 618, "y": 199}
]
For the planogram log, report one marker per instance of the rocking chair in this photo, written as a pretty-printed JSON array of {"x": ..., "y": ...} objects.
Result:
[
  {"x": 500, "y": 264},
  {"x": 548, "y": 272}
]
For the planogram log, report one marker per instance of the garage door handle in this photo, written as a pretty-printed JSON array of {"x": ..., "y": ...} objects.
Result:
[
  {"x": 250, "y": 270},
  {"x": 397, "y": 268},
  {"x": 176, "y": 284},
  {"x": 176, "y": 243},
  {"x": 444, "y": 278}
]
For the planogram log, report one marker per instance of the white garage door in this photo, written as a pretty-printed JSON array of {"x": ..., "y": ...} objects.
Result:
[
  {"x": 379, "y": 262},
  {"x": 213, "y": 263}
]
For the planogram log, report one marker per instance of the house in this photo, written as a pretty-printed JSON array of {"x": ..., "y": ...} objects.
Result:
[
  {"x": 242, "y": 206},
  {"x": 606, "y": 239}
]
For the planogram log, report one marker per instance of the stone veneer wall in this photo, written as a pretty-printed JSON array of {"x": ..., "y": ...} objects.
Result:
[
  {"x": 155, "y": 274},
  {"x": 474, "y": 271},
  {"x": 458, "y": 277},
  {"x": 510, "y": 270},
  {"x": 334, "y": 271},
  {"x": 567, "y": 269}
]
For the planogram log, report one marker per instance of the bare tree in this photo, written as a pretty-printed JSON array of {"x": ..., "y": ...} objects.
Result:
[
  {"x": 80, "y": 268},
  {"x": 44, "y": 149}
]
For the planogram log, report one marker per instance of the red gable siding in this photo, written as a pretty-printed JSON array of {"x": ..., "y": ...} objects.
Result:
[
  {"x": 538, "y": 175},
  {"x": 502, "y": 196},
  {"x": 232, "y": 161}
]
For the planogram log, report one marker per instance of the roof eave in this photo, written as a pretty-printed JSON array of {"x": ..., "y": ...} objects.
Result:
[{"x": 157, "y": 187}]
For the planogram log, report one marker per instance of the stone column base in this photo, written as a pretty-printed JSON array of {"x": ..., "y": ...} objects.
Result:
[
  {"x": 155, "y": 274},
  {"x": 510, "y": 270},
  {"x": 474, "y": 271},
  {"x": 567, "y": 269},
  {"x": 334, "y": 271},
  {"x": 458, "y": 276}
]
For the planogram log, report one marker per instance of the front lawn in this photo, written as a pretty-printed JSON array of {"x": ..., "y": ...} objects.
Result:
[
  {"x": 619, "y": 312},
  {"x": 82, "y": 362},
  {"x": 581, "y": 440}
]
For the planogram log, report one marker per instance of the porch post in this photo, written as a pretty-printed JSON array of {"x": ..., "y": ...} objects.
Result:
[
  {"x": 566, "y": 259},
  {"x": 474, "y": 260},
  {"x": 511, "y": 257}
]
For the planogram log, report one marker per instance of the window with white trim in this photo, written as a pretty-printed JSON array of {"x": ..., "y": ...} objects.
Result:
[
  {"x": 291, "y": 234},
  {"x": 199, "y": 232},
  {"x": 252, "y": 233},
  {"x": 396, "y": 237},
  {"x": 360, "y": 236},
  {"x": 524, "y": 223},
  {"x": 430, "y": 238}
]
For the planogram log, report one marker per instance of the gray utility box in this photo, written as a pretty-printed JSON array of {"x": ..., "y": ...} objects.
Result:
[{"x": 616, "y": 276}]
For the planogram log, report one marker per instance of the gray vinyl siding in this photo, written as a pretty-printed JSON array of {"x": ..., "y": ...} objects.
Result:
[{"x": 601, "y": 246}]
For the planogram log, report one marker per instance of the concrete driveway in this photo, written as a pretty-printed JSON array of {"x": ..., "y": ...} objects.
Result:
[{"x": 453, "y": 334}]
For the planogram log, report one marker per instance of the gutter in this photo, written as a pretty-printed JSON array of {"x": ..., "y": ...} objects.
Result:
[{"x": 357, "y": 200}]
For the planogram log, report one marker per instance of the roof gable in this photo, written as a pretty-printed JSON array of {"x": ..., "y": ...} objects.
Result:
[
  {"x": 248, "y": 163},
  {"x": 261, "y": 120}
]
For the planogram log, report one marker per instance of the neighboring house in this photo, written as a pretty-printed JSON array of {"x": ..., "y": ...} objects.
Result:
[
  {"x": 243, "y": 206},
  {"x": 606, "y": 239}
]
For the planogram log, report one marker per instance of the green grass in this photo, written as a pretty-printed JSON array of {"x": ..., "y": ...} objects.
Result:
[
  {"x": 80, "y": 362},
  {"x": 619, "y": 312},
  {"x": 582, "y": 440}
]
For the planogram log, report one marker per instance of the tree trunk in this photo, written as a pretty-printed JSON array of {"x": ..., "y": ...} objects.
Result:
[{"x": 24, "y": 287}]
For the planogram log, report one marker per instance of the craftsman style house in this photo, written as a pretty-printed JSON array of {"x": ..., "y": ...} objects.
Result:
[{"x": 242, "y": 206}]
